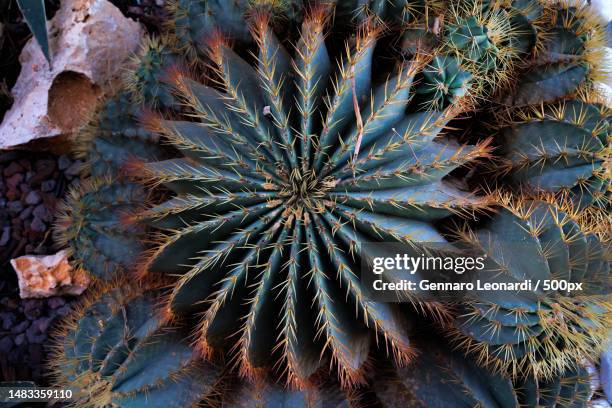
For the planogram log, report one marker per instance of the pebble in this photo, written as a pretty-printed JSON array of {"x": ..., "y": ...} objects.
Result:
[
  {"x": 20, "y": 339},
  {"x": 35, "y": 336},
  {"x": 12, "y": 169},
  {"x": 6, "y": 344},
  {"x": 26, "y": 213},
  {"x": 6, "y": 235},
  {"x": 15, "y": 206},
  {"x": 73, "y": 170},
  {"x": 20, "y": 327},
  {"x": 63, "y": 162},
  {"x": 63, "y": 311},
  {"x": 8, "y": 320},
  {"x": 42, "y": 212},
  {"x": 47, "y": 186},
  {"x": 56, "y": 302},
  {"x": 38, "y": 225},
  {"x": 32, "y": 198}
]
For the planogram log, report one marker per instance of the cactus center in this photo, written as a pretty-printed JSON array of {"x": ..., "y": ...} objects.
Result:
[{"x": 306, "y": 191}]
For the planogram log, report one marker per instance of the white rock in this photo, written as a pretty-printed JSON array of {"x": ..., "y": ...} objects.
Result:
[
  {"x": 599, "y": 403},
  {"x": 89, "y": 40},
  {"x": 604, "y": 8},
  {"x": 45, "y": 276}
]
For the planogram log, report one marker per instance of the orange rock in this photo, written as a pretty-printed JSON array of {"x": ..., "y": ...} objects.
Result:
[{"x": 45, "y": 276}]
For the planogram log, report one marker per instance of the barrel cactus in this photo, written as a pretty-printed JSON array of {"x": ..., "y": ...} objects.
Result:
[
  {"x": 560, "y": 147},
  {"x": 568, "y": 55},
  {"x": 539, "y": 331},
  {"x": 115, "y": 351},
  {"x": 275, "y": 189},
  {"x": 443, "y": 378},
  {"x": 93, "y": 223}
]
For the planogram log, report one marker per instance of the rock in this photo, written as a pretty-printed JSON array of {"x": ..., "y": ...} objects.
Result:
[
  {"x": 6, "y": 235},
  {"x": 15, "y": 206},
  {"x": 12, "y": 169},
  {"x": 55, "y": 302},
  {"x": 73, "y": 170},
  {"x": 6, "y": 344},
  {"x": 34, "y": 336},
  {"x": 20, "y": 339},
  {"x": 44, "y": 170},
  {"x": 43, "y": 324},
  {"x": 8, "y": 319},
  {"x": 605, "y": 370},
  {"x": 42, "y": 212},
  {"x": 63, "y": 311},
  {"x": 90, "y": 41},
  {"x": 52, "y": 275},
  {"x": 64, "y": 162},
  {"x": 47, "y": 186},
  {"x": 14, "y": 181},
  {"x": 32, "y": 198},
  {"x": 38, "y": 225},
  {"x": 26, "y": 213},
  {"x": 599, "y": 403},
  {"x": 20, "y": 327}
]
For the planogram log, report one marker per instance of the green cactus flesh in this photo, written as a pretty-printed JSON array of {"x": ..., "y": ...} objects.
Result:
[
  {"x": 93, "y": 224},
  {"x": 273, "y": 193},
  {"x": 441, "y": 378},
  {"x": 541, "y": 332},
  {"x": 568, "y": 56},
  {"x": 115, "y": 351},
  {"x": 561, "y": 147},
  {"x": 116, "y": 137}
]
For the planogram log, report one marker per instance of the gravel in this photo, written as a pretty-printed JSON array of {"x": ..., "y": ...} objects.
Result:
[{"x": 31, "y": 184}]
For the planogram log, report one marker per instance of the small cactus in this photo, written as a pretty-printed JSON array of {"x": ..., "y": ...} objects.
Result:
[
  {"x": 560, "y": 147},
  {"x": 113, "y": 350},
  {"x": 543, "y": 331},
  {"x": 92, "y": 223}
]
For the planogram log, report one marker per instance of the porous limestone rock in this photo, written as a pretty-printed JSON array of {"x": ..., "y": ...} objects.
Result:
[
  {"x": 90, "y": 40},
  {"x": 46, "y": 276}
]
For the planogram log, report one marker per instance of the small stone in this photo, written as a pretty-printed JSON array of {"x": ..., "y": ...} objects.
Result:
[
  {"x": 8, "y": 320},
  {"x": 26, "y": 213},
  {"x": 12, "y": 169},
  {"x": 42, "y": 212},
  {"x": 47, "y": 186},
  {"x": 6, "y": 235},
  {"x": 20, "y": 339},
  {"x": 32, "y": 312},
  {"x": 56, "y": 302},
  {"x": 44, "y": 169},
  {"x": 15, "y": 206},
  {"x": 63, "y": 162},
  {"x": 32, "y": 198},
  {"x": 73, "y": 170},
  {"x": 20, "y": 327},
  {"x": 34, "y": 336},
  {"x": 45, "y": 276},
  {"x": 13, "y": 181},
  {"x": 63, "y": 311},
  {"x": 6, "y": 344},
  {"x": 43, "y": 324},
  {"x": 29, "y": 175},
  {"x": 38, "y": 225}
]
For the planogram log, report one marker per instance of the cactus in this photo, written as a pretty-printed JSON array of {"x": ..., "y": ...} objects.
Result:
[
  {"x": 542, "y": 331},
  {"x": 443, "y": 378},
  {"x": 568, "y": 56},
  {"x": 113, "y": 350},
  {"x": 269, "y": 195},
  {"x": 147, "y": 80},
  {"x": 92, "y": 224},
  {"x": 114, "y": 137},
  {"x": 560, "y": 147}
]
